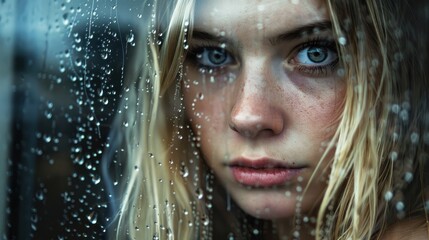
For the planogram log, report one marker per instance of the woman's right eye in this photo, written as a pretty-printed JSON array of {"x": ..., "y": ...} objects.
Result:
[{"x": 213, "y": 57}]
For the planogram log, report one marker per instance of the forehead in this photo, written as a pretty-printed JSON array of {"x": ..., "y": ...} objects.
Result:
[{"x": 269, "y": 16}]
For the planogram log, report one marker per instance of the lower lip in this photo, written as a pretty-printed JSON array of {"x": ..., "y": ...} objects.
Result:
[{"x": 263, "y": 177}]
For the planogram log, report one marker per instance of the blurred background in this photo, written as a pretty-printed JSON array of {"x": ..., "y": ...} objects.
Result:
[{"x": 61, "y": 78}]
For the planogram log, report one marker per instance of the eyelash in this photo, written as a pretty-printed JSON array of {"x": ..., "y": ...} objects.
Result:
[{"x": 320, "y": 70}]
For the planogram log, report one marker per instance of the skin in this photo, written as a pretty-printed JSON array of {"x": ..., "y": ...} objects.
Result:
[{"x": 263, "y": 100}]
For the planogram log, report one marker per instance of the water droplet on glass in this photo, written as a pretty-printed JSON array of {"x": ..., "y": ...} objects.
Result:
[
  {"x": 255, "y": 231},
  {"x": 40, "y": 196},
  {"x": 393, "y": 156},
  {"x": 65, "y": 19},
  {"x": 296, "y": 234},
  {"x": 408, "y": 177},
  {"x": 231, "y": 236},
  {"x": 199, "y": 193},
  {"x": 388, "y": 196},
  {"x": 400, "y": 206},
  {"x": 414, "y": 138},
  {"x": 130, "y": 37},
  {"x": 205, "y": 220},
  {"x": 96, "y": 179},
  {"x": 200, "y": 96},
  {"x": 92, "y": 217},
  {"x": 47, "y": 138},
  {"x": 184, "y": 171},
  {"x": 78, "y": 62},
  {"x": 342, "y": 40}
]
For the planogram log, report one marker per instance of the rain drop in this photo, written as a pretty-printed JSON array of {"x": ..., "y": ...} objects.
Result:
[
  {"x": 414, "y": 137},
  {"x": 65, "y": 19},
  {"x": 408, "y": 177},
  {"x": 96, "y": 179},
  {"x": 393, "y": 156},
  {"x": 47, "y": 138},
  {"x": 184, "y": 171},
  {"x": 199, "y": 193},
  {"x": 78, "y": 62},
  {"x": 40, "y": 196},
  {"x": 342, "y": 40},
  {"x": 205, "y": 221},
  {"x": 255, "y": 231},
  {"x": 130, "y": 37},
  {"x": 388, "y": 196},
  {"x": 92, "y": 217},
  {"x": 400, "y": 206},
  {"x": 200, "y": 96}
]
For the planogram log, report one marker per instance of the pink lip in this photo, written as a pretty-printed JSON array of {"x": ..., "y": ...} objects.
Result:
[{"x": 263, "y": 172}]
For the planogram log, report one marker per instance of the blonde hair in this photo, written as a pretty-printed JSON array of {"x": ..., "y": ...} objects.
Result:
[
  {"x": 375, "y": 142},
  {"x": 377, "y": 150},
  {"x": 156, "y": 201}
]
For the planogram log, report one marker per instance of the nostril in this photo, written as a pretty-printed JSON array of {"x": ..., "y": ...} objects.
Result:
[{"x": 242, "y": 131}]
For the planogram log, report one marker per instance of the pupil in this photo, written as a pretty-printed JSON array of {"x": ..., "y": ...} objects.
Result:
[
  {"x": 217, "y": 57},
  {"x": 317, "y": 54}
]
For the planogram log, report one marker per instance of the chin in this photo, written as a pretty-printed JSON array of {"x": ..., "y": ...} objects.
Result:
[{"x": 268, "y": 206}]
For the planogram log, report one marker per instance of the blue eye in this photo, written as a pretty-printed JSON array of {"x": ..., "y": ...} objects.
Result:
[
  {"x": 315, "y": 56},
  {"x": 213, "y": 57}
]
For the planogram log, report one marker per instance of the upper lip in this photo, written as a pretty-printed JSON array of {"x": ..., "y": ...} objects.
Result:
[{"x": 262, "y": 163}]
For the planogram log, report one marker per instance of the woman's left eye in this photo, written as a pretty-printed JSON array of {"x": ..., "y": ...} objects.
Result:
[{"x": 315, "y": 56}]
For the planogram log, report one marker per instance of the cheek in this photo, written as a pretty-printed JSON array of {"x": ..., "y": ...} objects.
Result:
[
  {"x": 319, "y": 115},
  {"x": 204, "y": 110}
]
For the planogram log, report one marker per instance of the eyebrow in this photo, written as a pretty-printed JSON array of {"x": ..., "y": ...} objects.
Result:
[
  {"x": 302, "y": 31},
  {"x": 205, "y": 36},
  {"x": 295, "y": 33}
]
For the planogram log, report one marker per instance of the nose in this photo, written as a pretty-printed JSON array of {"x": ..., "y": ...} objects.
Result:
[{"x": 255, "y": 110}]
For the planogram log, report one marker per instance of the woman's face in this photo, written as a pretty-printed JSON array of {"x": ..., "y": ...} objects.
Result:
[{"x": 263, "y": 95}]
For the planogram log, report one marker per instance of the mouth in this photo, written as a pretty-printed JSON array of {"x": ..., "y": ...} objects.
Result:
[{"x": 264, "y": 172}]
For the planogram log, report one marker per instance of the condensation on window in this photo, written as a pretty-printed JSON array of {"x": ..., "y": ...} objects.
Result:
[{"x": 62, "y": 77}]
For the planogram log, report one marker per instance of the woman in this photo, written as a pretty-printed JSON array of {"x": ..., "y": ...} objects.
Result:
[{"x": 276, "y": 119}]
